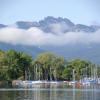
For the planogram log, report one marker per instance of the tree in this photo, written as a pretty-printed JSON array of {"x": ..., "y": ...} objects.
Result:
[
  {"x": 3, "y": 68},
  {"x": 11, "y": 62},
  {"x": 25, "y": 62},
  {"x": 17, "y": 64},
  {"x": 46, "y": 66},
  {"x": 49, "y": 66},
  {"x": 80, "y": 66}
]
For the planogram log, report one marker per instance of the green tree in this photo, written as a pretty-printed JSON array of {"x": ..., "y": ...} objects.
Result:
[
  {"x": 81, "y": 68},
  {"x": 25, "y": 63},
  {"x": 11, "y": 63},
  {"x": 50, "y": 66},
  {"x": 3, "y": 68}
]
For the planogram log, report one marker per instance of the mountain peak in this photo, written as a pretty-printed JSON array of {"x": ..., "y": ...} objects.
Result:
[
  {"x": 2, "y": 25},
  {"x": 55, "y": 25},
  {"x": 50, "y": 19}
]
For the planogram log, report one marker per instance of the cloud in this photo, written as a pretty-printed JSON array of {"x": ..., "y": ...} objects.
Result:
[
  {"x": 35, "y": 36},
  {"x": 58, "y": 28}
]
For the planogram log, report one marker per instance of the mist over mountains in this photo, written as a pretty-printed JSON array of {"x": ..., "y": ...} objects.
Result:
[{"x": 58, "y": 35}]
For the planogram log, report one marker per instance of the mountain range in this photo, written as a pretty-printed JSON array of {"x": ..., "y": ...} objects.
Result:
[
  {"x": 67, "y": 25},
  {"x": 69, "y": 51}
]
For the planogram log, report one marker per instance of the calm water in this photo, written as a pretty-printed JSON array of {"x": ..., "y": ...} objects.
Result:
[{"x": 54, "y": 93}]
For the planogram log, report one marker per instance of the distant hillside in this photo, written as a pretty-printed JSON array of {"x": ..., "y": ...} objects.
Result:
[
  {"x": 69, "y": 51},
  {"x": 32, "y": 50}
]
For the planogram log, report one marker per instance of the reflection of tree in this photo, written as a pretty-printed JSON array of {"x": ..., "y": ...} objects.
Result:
[{"x": 7, "y": 95}]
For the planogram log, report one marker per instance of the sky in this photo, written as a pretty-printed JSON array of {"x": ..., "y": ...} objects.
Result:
[{"x": 78, "y": 11}]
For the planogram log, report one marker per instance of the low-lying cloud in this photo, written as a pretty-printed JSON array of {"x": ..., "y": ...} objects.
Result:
[{"x": 35, "y": 36}]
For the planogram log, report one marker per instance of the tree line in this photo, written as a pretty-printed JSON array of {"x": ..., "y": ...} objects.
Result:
[{"x": 46, "y": 66}]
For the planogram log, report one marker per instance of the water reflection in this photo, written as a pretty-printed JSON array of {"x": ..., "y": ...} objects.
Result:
[{"x": 50, "y": 93}]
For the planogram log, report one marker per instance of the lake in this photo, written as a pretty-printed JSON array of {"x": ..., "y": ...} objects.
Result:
[{"x": 49, "y": 93}]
